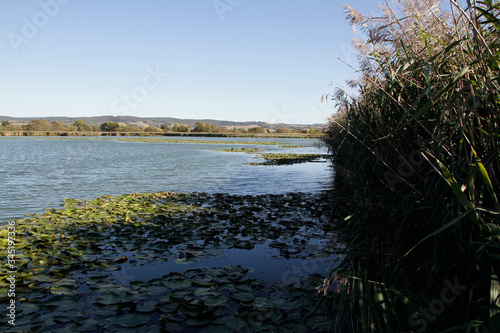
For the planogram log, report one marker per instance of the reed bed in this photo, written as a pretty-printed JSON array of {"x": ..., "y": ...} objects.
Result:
[{"x": 416, "y": 153}]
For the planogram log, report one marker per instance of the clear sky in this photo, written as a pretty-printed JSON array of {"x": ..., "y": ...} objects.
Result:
[{"x": 240, "y": 60}]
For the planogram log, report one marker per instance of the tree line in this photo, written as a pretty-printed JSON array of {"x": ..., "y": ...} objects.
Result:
[{"x": 42, "y": 125}]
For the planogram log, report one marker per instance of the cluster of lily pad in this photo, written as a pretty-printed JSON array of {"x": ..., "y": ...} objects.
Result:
[
  {"x": 239, "y": 150},
  {"x": 68, "y": 259},
  {"x": 287, "y": 159},
  {"x": 275, "y": 158}
]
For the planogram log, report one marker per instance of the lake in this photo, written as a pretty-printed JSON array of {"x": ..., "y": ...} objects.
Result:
[
  {"x": 244, "y": 249},
  {"x": 38, "y": 172}
]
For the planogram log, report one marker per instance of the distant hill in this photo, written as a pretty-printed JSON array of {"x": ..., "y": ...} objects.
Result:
[{"x": 157, "y": 121}]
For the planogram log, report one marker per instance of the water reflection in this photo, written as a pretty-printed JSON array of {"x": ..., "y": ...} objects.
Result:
[{"x": 263, "y": 262}]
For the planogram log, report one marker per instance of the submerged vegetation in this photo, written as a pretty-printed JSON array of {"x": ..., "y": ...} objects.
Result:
[
  {"x": 286, "y": 159},
  {"x": 239, "y": 150},
  {"x": 417, "y": 160},
  {"x": 77, "y": 264},
  {"x": 276, "y": 158}
]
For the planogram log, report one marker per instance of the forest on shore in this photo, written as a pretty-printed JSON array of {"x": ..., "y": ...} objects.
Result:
[{"x": 80, "y": 127}]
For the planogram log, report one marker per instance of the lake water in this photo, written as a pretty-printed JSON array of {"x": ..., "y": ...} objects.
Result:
[{"x": 39, "y": 172}]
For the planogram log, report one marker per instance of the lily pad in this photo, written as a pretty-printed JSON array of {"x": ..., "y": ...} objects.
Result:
[
  {"x": 197, "y": 322},
  {"x": 215, "y": 301},
  {"x": 171, "y": 326},
  {"x": 131, "y": 320},
  {"x": 65, "y": 302},
  {"x": 110, "y": 298},
  {"x": 205, "y": 291},
  {"x": 177, "y": 284},
  {"x": 88, "y": 325},
  {"x": 181, "y": 295},
  {"x": 233, "y": 323},
  {"x": 147, "y": 307},
  {"x": 242, "y": 296},
  {"x": 205, "y": 282},
  {"x": 63, "y": 290}
]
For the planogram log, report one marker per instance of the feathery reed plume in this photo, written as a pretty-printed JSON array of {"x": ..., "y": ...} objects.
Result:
[{"x": 418, "y": 149}]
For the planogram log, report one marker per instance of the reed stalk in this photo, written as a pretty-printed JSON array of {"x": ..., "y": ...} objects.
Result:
[{"x": 417, "y": 152}]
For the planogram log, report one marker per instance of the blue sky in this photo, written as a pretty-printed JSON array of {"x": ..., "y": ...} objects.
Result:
[{"x": 240, "y": 60}]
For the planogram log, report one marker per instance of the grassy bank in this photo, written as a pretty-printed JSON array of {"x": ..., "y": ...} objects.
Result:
[{"x": 417, "y": 160}]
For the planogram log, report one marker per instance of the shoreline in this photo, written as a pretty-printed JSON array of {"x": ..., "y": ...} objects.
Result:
[{"x": 159, "y": 134}]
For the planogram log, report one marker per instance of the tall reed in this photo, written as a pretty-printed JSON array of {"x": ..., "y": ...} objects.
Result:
[{"x": 416, "y": 152}]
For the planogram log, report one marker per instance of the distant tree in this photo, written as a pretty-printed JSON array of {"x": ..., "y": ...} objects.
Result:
[
  {"x": 176, "y": 128},
  {"x": 284, "y": 130},
  {"x": 312, "y": 130},
  {"x": 129, "y": 128},
  {"x": 82, "y": 126},
  {"x": 152, "y": 129},
  {"x": 212, "y": 128},
  {"x": 166, "y": 128},
  {"x": 109, "y": 126},
  {"x": 39, "y": 125},
  {"x": 7, "y": 126},
  {"x": 258, "y": 129},
  {"x": 57, "y": 126},
  {"x": 200, "y": 127},
  {"x": 185, "y": 128}
]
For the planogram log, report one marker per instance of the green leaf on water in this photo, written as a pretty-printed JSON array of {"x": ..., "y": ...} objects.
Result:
[
  {"x": 205, "y": 282},
  {"x": 147, "y": 307},
  {"x": 215, "y": 301},
  {"x": 110, "y": 298},
  {"x": 177, "y": 284},
  {"x": 242, "y": 296},
  {"x": 63, "y": 290},
  {"x": 131, "y": 320},
  {"x": 65, "y": 302},
  {"x": 205, "y": 291},
  {"x": 197, "y": 322},
  {"x": 88, "y": 325}
]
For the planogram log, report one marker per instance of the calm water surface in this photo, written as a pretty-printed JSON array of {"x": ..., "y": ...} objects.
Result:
[{"x": 40, "y": 172}]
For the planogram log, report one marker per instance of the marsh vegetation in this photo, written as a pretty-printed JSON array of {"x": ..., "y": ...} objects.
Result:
[
  {"x": 417, "y": 162},
  {"x": 77, "y": 264}
]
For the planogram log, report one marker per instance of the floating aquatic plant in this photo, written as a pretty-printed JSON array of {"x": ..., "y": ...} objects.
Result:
[
  {"x": 286, "y": 159},
  {"x": 70, "y": 262}
]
